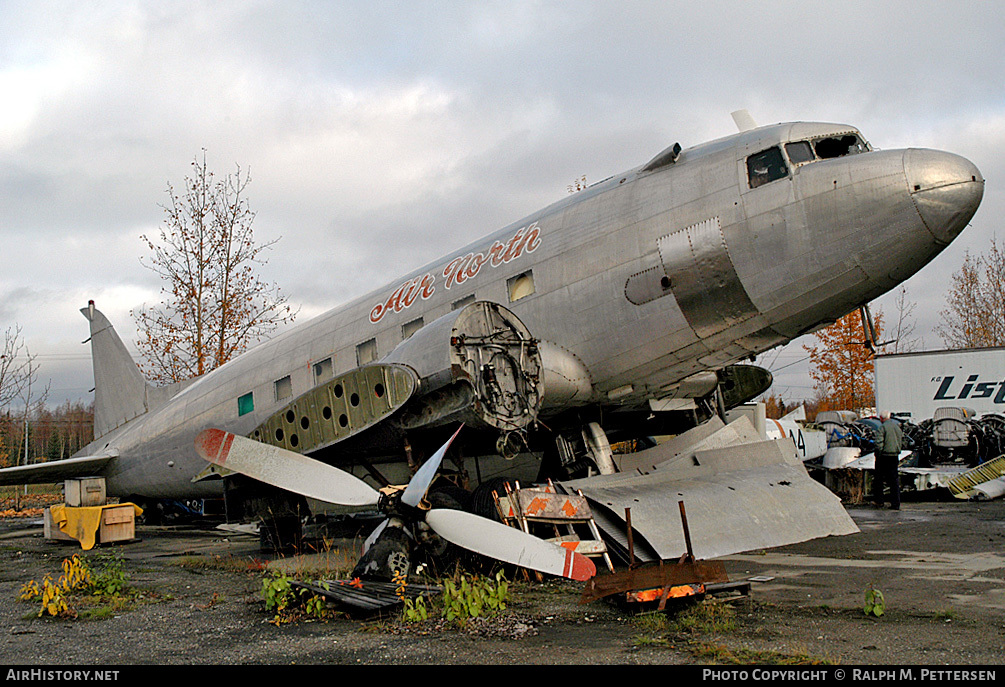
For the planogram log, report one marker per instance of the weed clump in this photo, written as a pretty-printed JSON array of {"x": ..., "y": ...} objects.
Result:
[
  {"x": 288, "y": 603},
  {"x": 97, "y": 583},
  {"x": 875, "y": 603}
]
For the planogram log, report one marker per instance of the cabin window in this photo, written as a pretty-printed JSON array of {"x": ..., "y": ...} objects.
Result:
[
  {"x": 366, "y": 352},
  {"x": 323, "y": 370},
  {"x": 839, "y": 146},
  {"x": 284, "y": 388},
  {"x": 467, "y": 300},
  {"x": 765, "y": 167},
  {"x": 520, "y": 286},
  {"x": 246, "y": 404},
  {"x": 410, "y": 328},
  {"x": 799, "y": 152}
]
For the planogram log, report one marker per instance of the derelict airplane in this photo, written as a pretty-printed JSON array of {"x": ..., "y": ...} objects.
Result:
[{"x": 615, "y": 312}]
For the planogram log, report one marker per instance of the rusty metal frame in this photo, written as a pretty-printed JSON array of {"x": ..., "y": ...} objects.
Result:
[{"x": 659, "y": 575}]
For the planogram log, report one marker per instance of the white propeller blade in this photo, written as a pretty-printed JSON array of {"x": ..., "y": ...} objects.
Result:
[
  {"x": 369, "y": 541},
  {"x": 417, "y": 486},
  {"x": 495, "y": 540},
  {"x": 284, "y": 469}
]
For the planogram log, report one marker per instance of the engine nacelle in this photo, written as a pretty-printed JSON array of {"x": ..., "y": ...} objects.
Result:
[{"x": 478, "y": 364}]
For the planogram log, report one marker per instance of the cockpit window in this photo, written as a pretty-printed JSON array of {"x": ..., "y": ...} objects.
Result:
[
  {"x": 799, "y": 152},
  {"x": 766, "y": 166},
  {"x": 839, "y": 146}
]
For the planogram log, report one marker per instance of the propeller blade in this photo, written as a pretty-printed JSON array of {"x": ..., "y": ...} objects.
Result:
[
  {"x": 508, "y": 544},
  {"x": 376, "y": 533},
  {"x": 284, "y": 469},
  {"x": 417, "y": 486}
]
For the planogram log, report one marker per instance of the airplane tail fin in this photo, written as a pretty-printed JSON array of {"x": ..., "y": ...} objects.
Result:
[{"x": 120, "y": 389}]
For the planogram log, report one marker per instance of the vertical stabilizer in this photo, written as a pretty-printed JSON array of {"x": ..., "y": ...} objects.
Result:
[{"x": 120, "y": 390}]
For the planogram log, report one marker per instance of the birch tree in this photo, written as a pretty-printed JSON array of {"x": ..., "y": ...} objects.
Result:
[
  {"x": 215, "y": 303},
  {"x": 18, "y": 386},
  {"x": 974, "y": 316}
]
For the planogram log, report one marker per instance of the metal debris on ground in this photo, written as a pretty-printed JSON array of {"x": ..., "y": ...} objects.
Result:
[
  {"x": 983, "y": 481},
  {"x": 953, "y": 435},
  {"x": 658, "y": 582},
  {"x": 366, "y": 596}
]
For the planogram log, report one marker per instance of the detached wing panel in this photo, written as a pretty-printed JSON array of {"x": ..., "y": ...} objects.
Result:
[
  {"x": 738, "y": 498},
  {"x": 55, "y": 471}
]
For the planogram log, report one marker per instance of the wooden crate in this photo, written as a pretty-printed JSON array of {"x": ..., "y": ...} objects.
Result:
[
  {"x": 51, "y": 529},
  {"x": 89, "y": 491},
  {"x": 118, "y": 523}
]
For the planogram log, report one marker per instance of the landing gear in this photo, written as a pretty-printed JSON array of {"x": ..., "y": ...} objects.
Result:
[
  {"x": 282, "y": 513},
  {"x": 582, "y": 454},
  {"x": 389, "y": 557}
]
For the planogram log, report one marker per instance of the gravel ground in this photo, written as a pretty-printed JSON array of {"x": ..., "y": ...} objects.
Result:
[{"x": 941, "y": 567}]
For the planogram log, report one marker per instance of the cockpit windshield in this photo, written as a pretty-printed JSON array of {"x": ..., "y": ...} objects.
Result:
[
  {"x": 825, "y": 148},
  {"x": 769, "y": 165},
  {"x": 838, "y": 146}
]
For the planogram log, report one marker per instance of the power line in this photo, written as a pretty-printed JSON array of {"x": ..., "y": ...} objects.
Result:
[{"x": 801, "y": 360}]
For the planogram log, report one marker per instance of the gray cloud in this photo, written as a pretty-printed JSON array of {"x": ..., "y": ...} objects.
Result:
[{"x": 404, "y": 130}]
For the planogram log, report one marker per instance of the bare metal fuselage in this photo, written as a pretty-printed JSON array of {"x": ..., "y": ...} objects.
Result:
[{"x": 636, "y": 283}]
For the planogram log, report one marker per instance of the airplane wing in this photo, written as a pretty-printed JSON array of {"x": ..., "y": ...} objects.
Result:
[{"x": 54, "y": 471}]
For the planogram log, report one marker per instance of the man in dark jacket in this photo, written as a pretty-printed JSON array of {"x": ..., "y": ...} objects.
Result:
[{"x": 889, "y": 440}]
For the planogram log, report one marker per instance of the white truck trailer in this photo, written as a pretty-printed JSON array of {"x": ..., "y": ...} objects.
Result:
[{"x": 918, "y": 383}]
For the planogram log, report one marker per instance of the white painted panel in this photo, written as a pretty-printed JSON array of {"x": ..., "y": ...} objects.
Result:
[{"x": 919, "y": 383}]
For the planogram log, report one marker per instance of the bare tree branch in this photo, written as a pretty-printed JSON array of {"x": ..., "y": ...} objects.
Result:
[
  {"x": 18, "y": 369},
  {"x": 904, "y": 340}
]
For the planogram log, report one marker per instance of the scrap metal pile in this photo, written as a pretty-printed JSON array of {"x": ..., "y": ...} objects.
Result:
[
  {"x": 953, "y": 436},
  {"x": 967, "y": 440},
  {"x": 846, "y": 430},
  {"x": 955, "y": 449}
]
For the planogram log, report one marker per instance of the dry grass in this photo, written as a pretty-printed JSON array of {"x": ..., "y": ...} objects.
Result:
[
  {"x": 720, "y": 654},
  {"x": 16, "y": 503}
]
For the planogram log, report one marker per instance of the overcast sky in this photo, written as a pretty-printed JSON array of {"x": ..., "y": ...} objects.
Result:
[{"x": 380, "y": 136}]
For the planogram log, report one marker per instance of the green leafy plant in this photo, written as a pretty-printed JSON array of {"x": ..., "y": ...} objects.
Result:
[
  {"x": 107, "y": 578},
  {"x": 79, "y": 577},
  {"x": 54, "y": 599},
  {"x": 277, "y": 592},
  {"x": 289, "y": 603},
  {"x": 875, "y": 603},
  {"x": 415, "y": 611},
  {"x": 54, "y": 596},
  {"x": 96, "y": 585},
  {"x": 474, "y": 596},
  {"x": 315, "y": 605}
]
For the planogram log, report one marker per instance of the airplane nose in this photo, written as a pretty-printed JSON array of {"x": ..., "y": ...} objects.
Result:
[{"x": 946, "y": 189}]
